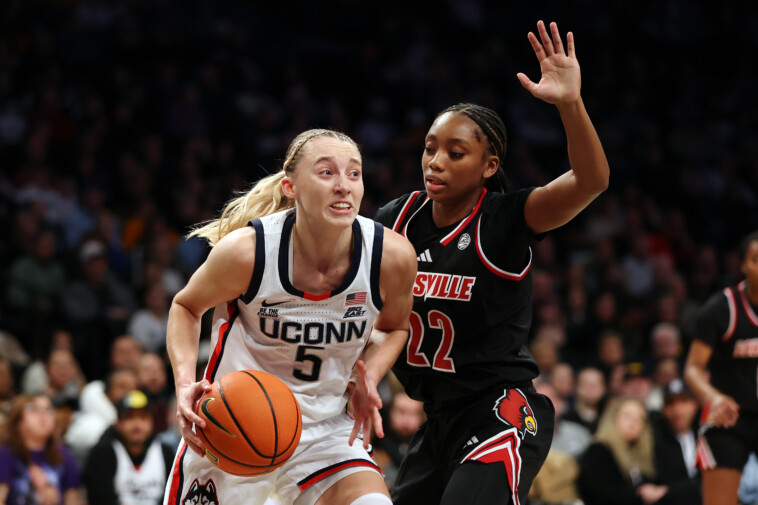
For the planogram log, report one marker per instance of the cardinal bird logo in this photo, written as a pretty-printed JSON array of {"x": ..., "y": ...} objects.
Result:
[{"x": 513, "y": 409}]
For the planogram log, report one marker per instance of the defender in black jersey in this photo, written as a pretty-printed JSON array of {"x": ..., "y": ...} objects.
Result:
[
  {"x": 726, "y": 342},
  {"x": 488, "y": 431}
]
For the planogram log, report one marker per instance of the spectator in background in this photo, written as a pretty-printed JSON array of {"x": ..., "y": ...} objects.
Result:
[
  {"x": 152, "y": 379},
  {"x": 589, "y": 400},
  {"x": 610, "y": 352},
  {"x": 34, "y": 467},
  {"x": 148, "y": 324},
  {"x": 675, "y": 435},
  {"x": 405, "y": 416},
  {"x": 666, "y": 342},
  {"x": 562, "y": 380},
  {"x": 619, "y": 467},
  {"x": 97, "y": 307},
  {"x": 125, "y": 353},
  {"x": 35, "y": 281},
  {"x": 97, "y": 410},
  {"x": 637, "y": 381},
  {"x": 7, "y": 393},
  {"x": 639, "y": 267},
  {"x": 131, "y": 466}
]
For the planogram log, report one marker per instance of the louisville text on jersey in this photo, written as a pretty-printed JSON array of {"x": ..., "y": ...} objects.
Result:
[
  {"x": 746, "y": 348},
  {"x": 314, "y": 333},
  {"x": 447, "y": 286}
]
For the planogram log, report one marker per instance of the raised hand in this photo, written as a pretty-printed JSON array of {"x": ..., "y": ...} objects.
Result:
[
  {"x": 366, "y": 403},
  {"x": 561, "y": 79}
]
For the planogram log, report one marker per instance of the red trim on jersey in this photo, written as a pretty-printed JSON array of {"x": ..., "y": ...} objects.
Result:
[
  {"x": 176, "y": 477},
  {"x": 502, "y": 448},
  {"x": 746, "y": 304},
  {"x": 406, "y": 207},
  {"x": 491, "y": 266},
  {"x": 230, "y": 308},
  {"x": 704, "y": 456},
  {"x": 323, "y": 474},
  {"x": 732, "y": 314},
  {"x": 317, "y": 298},
  {"x": 450, "y": 236},
  {"x": 405, "y": 228}
]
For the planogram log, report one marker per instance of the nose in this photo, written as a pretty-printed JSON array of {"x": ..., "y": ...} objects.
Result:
[
  {"x": 341, "y": 185},
  {"x": 434, "y": 162}
]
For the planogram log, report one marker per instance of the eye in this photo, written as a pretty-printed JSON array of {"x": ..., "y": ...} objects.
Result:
[
  {"x": 456, "y": 155},
  {"x": 325, "y": 171},
  {"x": 428, "y": 150}
]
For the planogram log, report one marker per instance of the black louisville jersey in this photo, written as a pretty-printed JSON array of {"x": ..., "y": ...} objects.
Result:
[
  {"x": 471, "y": 298},
  {"x": 728, "y": 323}
]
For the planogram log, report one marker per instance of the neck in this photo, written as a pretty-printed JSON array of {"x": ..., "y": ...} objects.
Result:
[
  {"x": 134, "y": 449},
  {"x": 323, "y": 249},
  {"x": 447, "y": 213},
  {"x": 751, "y": 290}
]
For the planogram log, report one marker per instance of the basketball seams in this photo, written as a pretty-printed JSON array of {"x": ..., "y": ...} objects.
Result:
[
  {"x": 273, "y": 415},
  {"x": 236, "y": 423}
]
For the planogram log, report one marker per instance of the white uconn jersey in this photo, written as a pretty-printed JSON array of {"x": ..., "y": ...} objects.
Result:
[{"x": 309, "y": 341}]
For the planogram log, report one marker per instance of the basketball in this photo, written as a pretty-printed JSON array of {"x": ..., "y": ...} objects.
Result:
[{"x": 253, "y": 423}]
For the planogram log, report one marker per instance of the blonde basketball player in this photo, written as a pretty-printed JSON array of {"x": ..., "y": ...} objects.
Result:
[{"x": 298, "y": 280}]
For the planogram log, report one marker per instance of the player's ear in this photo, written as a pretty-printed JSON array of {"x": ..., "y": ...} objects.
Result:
[
  {"x": 491, "y": 166},
  {"x": 288, "y": 188}
]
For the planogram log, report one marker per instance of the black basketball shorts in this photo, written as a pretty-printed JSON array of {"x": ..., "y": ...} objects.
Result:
[
  {"x": 728, "y": 447},
  {"x": 483, "y": 451}
]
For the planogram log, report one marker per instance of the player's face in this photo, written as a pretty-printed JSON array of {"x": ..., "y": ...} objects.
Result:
[
  {"x": 750, "y": 265},
  {"x": 455, "y": 162},
  {"x": 328, "y": 181}
]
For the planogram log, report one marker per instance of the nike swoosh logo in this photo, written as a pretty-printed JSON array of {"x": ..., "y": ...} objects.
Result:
[
  {"x": 213, "y": 420},
  {"x": 265, "y": 303}
]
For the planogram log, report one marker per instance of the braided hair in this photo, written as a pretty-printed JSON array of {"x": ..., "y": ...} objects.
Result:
[{"x": 491, "y": 126}]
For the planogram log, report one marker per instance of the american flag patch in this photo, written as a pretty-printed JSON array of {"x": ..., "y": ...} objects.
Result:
[{"x": 358, "y": 298}]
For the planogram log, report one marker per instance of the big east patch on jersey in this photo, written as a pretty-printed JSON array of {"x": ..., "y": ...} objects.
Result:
[{"x": 513, "y": 409}]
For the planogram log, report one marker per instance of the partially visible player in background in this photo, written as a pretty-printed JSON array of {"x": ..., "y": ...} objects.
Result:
[
  {"x": 488, "y": 430},
  {"x": 726, "y": 345},
  {"x": 298, "y": 280}
]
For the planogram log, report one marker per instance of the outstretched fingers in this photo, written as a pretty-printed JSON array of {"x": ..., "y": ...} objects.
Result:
[
  {"x": 570, "y": 44},
  {"x": 557, "y": 42},
  {"x": 547, "y": 43}
]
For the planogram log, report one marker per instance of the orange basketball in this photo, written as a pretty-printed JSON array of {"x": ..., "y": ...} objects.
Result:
[{"x": 253, "y": 423}]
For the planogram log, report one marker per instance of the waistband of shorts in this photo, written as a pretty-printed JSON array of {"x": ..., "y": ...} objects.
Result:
[{"x": 436, "y": 408}]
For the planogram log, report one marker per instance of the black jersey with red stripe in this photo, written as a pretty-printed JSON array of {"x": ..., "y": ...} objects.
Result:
[
  {"x": 728, "y": 323},
  {"x": 472, "y": 305}
]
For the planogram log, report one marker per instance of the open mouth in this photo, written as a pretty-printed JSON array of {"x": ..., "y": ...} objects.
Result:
[
  {"x": 341, "y": 207},
  {"x": 434, "y": 184}
]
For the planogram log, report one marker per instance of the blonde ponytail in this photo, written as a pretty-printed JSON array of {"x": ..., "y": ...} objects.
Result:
[{"x": 266, "y": 197}]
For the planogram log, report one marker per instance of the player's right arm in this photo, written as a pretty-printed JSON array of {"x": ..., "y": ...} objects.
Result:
[
  {"x": 710, "y": 326},
  {"x": 224, "y": 276}
]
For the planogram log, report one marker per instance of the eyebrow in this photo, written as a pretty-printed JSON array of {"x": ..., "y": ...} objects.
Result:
[
  {"x": 454, "y": 140},
  {"x": 331, "y": 158}
]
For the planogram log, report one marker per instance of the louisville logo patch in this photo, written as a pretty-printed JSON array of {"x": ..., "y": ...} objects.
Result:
[{"x": 513, "y": 409}]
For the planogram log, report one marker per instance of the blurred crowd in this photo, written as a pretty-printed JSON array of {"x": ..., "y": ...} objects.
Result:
[{"x": 124, "y": 123}]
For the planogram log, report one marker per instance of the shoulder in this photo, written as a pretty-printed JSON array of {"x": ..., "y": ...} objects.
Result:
[
  {"x": 397, "y": 250},
  {"x": 388, "y": 213},
  {"x": 398, "y": 267},
  {"x": 235, "y": 249}
]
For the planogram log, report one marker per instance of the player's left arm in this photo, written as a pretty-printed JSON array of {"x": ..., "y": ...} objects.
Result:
[
  {"x": 559, "y": 201},
  {"x": 389, "y": 335}
]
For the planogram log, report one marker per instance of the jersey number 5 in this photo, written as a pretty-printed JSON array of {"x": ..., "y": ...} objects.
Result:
[
  {"x": 302, "y": 356},
  {"x": 442, "y": 360}
]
